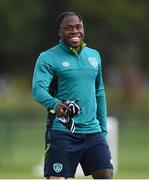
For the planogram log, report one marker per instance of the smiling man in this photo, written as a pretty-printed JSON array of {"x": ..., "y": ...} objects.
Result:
[
  {"x": 77, "y": 117},
  {"x": 71, "y": 30}
]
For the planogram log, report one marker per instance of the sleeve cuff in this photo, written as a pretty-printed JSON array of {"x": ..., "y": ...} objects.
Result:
[{"x": 56, "y": 104}]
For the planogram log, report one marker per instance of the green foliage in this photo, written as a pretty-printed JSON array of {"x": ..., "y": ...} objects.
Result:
[
  {"x": 118, "y": 28},
  {"x": 19, "y": 24},
  {"x": 122, "y": 15},
  {"x": 114, "y": 27}
]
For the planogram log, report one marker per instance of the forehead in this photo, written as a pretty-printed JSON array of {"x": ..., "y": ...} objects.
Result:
[{"x": 71, "y": 20}]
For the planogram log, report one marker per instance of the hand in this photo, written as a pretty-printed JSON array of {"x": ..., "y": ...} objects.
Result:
[{"x": 62, "y": 110}]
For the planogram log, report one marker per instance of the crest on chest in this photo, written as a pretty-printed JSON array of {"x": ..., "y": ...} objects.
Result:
[{"x": 92, "y": 61}]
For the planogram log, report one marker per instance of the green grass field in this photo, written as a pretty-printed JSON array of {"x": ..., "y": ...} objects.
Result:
[
  {"x": 22, "y": 124},
  {"x": 22, "y": 148},
  {"x": 133, "y": 153}
]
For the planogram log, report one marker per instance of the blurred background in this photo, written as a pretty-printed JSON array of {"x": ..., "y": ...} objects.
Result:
[{"x": 119, "y": 30}]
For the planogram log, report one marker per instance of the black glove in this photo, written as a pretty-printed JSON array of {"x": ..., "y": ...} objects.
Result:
[{"x": 73, "y": 110}]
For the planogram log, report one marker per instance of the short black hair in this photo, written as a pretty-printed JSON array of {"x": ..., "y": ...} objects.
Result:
[{"x": 68, "y": 13}]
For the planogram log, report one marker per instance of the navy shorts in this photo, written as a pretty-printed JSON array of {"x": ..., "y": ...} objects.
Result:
[{"x": 67, "y": 149}]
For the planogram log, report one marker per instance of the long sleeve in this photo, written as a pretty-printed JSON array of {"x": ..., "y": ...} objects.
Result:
[
  {"x": 101, "y": 102},
  {"x": 42, "y": 77}
]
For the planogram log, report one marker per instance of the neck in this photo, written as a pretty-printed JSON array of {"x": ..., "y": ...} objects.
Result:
[{"x": 77, "y": 49}]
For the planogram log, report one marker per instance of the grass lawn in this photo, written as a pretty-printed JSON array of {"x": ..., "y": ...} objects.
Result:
[
  {"x": 22, "y": 148},
  {"x": 133, "y": 153}
]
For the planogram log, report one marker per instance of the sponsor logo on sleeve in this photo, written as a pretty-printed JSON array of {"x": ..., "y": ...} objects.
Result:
[{"x": 66, "y": 64}]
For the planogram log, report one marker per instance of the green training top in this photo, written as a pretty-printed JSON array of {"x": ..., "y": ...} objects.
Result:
[{"x": 79, "y": 77}]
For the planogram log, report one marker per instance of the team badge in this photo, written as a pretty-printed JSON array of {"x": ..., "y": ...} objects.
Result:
[
  {"x": 93, "y": 61},
  {"x": 57, "y": 167},
  {"x": 66, "y": 64}
]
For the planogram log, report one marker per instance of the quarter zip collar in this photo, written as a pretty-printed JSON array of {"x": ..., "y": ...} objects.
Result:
[{"x": 71, "y": 49}]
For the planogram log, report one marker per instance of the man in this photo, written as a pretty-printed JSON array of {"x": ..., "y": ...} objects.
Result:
[{"x": 77, "y": 118}]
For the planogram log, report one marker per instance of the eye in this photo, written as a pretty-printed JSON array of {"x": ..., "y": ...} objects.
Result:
[
  {"x": 79, "y": 27},
  {"x": 68, "y": 28}
]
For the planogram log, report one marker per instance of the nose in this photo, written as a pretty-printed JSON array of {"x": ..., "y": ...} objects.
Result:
[{"x": 74, "y": 30}]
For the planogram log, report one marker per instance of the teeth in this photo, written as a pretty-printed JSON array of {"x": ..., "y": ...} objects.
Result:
[{"x": 75, "y": 38}]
